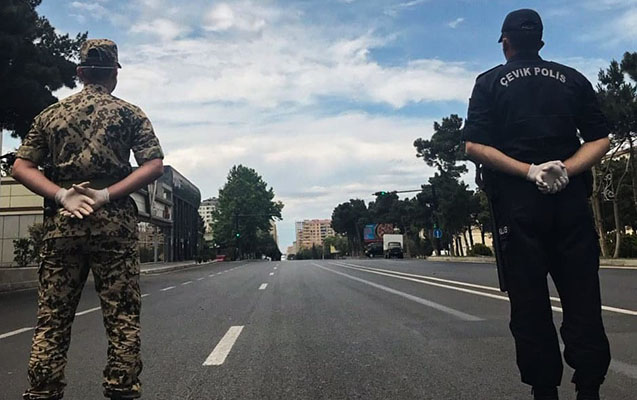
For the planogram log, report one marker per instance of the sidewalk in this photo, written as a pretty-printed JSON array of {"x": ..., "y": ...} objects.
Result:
[
  {"x": 627, "y": 263},
  {"x": 26, "y": 278}
]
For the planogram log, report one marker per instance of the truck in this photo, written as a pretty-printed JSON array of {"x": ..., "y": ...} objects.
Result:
[{"x": 393, "y": 245}]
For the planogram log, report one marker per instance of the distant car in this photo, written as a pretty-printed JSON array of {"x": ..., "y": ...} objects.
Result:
[
  {"x": 394, "y": 250},
  {"x": 221, "y": 257},
  {"x": 374, "y": 249}
]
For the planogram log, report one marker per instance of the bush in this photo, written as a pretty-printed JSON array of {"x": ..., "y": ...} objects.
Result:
[
  {"x": 22, "y": 252},
  {"x": 480, "y": 249}
]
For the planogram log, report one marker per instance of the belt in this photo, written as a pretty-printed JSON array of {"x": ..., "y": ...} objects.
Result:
[{"x": 100, "y": 183}]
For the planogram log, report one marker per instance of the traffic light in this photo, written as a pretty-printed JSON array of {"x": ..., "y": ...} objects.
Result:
[
  {"x": 237, "y": 235},
  {"x": 381, "y": 193}
]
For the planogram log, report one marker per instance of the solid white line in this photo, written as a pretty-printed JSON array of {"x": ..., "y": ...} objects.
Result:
[
  {"x": 494, "y": 289},
  {"x": 90, "y": 310},
  {"x": 145, "y": 294},
  {"x": 16, "y": 332},
  {"x": 186, "y": 283},
  {"x": 167, "y": 288},
  {"x": 419, "y": 300},
  {"x": 219, "y": 354},
  {"x": 201, "y": 279},
  {"x": 263, "y": 286}
]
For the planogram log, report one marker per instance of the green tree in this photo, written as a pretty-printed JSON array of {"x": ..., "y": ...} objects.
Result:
[
  {"x": 349, "y": 219},
  {"x": 618, "y": 100},
  {"x": 338, "y": 242},
  {"x": 34, "y": 62},
  {"x": 445, "y": 148},
  {"x": 245, "y": 210}
]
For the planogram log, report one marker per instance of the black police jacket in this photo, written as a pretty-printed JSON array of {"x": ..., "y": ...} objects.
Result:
[{"x": 534, "y": 110}]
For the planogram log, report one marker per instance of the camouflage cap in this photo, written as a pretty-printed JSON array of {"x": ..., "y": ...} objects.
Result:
[{"x": 99, "y": 52}]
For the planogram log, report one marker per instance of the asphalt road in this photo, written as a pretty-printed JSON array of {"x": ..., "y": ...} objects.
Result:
[{"x": 348, "y": 329}]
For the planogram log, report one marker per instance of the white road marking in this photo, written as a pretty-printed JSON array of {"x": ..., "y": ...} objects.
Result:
[
  {"x": 263, "y": 286},
  {"x": 275, "y": 268},
  {"x": 90, "y": 310},
  {"x": 211, "y": 275},
  {"x": 617, "y": 366},
  {"x": 419, "y": 300},
  {"x": 145, "y": 294},
  {"x": 16, "y": 332},
  {"x": 617, "y": 267},
  {"x": 219, "y": 354},
  {"x": 201, "y": 279},
  {"x": 271, "y": 273},
  {"x": 490, "y": 288},
  {"x": 186, "y": 283},
  {"x": 167, "y": 288}
]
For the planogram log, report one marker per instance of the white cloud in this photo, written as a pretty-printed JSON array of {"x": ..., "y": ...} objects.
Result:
[
  {"x": 91, "y": 9},
  {"x": 223, "y": 17},
  {"x": 454, "y": 24},
  {"x": 619, "y": 30},
  {"x": 163, "y": 28}
]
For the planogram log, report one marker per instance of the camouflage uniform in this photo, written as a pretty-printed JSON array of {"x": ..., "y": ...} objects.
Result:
[{"x": 88, "y": 137}]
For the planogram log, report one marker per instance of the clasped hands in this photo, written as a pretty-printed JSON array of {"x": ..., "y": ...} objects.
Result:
[
  {"x": 80, "y": 201},
  {"x": 550, "y": 177}
]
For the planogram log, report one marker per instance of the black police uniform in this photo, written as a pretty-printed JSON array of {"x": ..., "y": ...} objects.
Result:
[{"x": 532, "y": 110}]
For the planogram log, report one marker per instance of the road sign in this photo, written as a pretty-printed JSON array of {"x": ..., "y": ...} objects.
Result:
[{"x": 437, "y": 233}]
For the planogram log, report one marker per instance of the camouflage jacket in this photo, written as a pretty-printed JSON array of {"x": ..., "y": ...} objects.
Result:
[{"x": 89, "y": 137}]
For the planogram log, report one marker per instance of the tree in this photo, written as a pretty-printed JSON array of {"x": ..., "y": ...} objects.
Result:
[
  {"x": 618, "y": 101},
  {"x": 34, "y": 62},
  {"x": 445, "y": 148},
  {"x": 245, "y": 210},
  {"x": 349, "y": 219}
]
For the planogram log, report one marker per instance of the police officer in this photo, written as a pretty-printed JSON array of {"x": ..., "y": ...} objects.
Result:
[
  {"x": 536, "y": 128},
  {"x": 84, "y": 142}
]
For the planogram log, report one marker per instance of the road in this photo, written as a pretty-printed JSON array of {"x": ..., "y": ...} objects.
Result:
[{"x": 347, "y": 329}]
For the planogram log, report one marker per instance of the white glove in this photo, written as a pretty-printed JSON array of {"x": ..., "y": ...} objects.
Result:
[
  {"x": 74, "y": 204},
  {"x": 550, "y": 177},
  {"x": 100, "y": 197}
]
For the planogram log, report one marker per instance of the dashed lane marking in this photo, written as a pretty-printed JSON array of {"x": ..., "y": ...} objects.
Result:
[
  {"x": 221, "y": 351},
  {"x": 16, "y": 332},
  {"x": 186, "y": 283},
  {"x": 263, "y": 286},
  {"x": 145, "y": 294},
  {"x": 167, "y": 288},
  {"x": 419, "y": 300},
  {"x": 90, "y": 310},
  {"x": 271, "y": 273},
  {"x": 201, "y": 279}
]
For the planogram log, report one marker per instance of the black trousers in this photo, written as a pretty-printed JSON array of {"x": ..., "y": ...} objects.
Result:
[{"x": 552, "y": 234}]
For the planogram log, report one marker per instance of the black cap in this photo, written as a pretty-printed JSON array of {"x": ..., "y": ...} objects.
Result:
[{"x": 524, "y": 20}]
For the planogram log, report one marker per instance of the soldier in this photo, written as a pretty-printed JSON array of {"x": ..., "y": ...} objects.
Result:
[
  {"x": 526, "y": 122},
  {"x": 85, "y": 142}
]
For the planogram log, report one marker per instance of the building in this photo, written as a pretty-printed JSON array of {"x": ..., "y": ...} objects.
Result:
[
  {"x": 312, "y": 232},
  {"x": 167, "y": 209},
  {"x": 205, "y": 211},
  {"x": 19, "y": 210},
  {"x": 274, "y": 232}
]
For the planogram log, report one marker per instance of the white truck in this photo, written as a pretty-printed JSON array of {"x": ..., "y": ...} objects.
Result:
[{"x": 393, "y": 245}]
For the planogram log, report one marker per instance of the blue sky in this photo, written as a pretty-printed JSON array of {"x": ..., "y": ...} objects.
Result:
[{"x": 324, "y": 98}]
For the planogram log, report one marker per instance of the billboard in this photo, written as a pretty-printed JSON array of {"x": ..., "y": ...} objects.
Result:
[{"x": 374, "y": 232}]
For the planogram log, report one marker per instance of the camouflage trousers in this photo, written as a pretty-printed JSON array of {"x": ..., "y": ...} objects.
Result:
[{"x": 62, "y": 274}]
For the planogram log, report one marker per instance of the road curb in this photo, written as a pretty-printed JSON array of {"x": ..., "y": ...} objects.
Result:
[{"x": 624, "y": 264}]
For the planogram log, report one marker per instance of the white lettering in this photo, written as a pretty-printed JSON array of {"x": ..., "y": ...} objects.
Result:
[
  {"x": 504, "y": 82},
  {"x": 545, "y": 72},
  {"x": 527, "y": 71},
  {"x": 516, "y": 73},
  {"x": 537, "y": 70},
  {"x": 562, "y": 78}
]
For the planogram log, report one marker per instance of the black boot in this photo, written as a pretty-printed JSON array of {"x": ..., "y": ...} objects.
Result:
[{"x": 544, "y": 393}]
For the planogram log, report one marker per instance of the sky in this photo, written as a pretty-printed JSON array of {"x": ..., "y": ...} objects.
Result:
[{"x": 323, "y": 98}]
